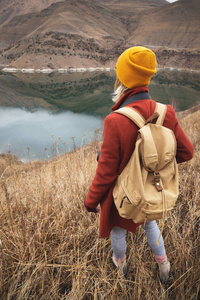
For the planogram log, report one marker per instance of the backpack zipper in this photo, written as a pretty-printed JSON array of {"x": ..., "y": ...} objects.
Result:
[{"x": 122, "y": 201}]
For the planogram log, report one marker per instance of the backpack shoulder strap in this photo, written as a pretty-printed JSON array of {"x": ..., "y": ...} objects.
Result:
[
  {"x": 133, "y": 115},
  {"x": 161, "y": 109},
  {"x": 138, "y": 119}
]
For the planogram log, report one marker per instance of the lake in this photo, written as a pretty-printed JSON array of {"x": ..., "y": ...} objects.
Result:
[{"x": 46, "y": 114}]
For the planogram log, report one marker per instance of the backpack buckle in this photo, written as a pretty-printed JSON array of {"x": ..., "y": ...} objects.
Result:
[{"x": 157, "y": 177}]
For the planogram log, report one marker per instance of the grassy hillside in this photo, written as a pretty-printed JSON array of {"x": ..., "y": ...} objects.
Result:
[{"x": 50, "y": 247}]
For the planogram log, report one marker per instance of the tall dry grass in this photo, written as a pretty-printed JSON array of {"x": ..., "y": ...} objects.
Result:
[{"x": 50, "y": 247}]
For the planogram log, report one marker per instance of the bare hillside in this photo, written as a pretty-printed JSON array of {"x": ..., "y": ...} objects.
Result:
[
  {"x": 128, "y": 8},
  {"x": 58, "y": 35},
  {"x": 12, "y": 8},
  {"x": 176, "y": 26},
  {"x": 85, "y": 33}
]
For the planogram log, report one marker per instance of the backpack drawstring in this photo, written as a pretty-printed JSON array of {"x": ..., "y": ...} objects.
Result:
[{"x": 164, "y": 214}]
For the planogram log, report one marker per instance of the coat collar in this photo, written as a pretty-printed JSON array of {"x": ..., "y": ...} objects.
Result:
[{"x": 128, "y": 94}]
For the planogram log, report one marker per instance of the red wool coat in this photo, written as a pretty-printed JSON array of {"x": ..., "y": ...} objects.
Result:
[{"x": 119, "y": 137}]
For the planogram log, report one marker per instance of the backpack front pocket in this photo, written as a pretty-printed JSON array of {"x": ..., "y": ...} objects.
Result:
[{"x": 131, "y": 193}]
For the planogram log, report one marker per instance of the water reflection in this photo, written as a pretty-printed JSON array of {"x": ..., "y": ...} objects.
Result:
[
  {"x": 41, "y": 134},
  {"x": 33, "y": 106}
]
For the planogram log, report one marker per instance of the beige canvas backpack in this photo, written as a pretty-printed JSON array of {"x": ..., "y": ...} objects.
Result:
[{"x": 147, "y": 188}]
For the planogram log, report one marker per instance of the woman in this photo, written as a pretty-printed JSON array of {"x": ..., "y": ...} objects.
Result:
[{"x": 134, "y": 70}]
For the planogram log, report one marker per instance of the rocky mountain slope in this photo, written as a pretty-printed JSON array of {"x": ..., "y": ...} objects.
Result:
[
  {"x": 175, "y": 25},
  {"x": 88, "y": 33},
  {"x": 128, "y": 8},
  {"x": 65, "y": 34},
  {"x": 12, "y": 8}
]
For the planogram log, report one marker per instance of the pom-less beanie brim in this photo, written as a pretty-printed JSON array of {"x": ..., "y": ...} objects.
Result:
[{"x": 136, "y": 66}]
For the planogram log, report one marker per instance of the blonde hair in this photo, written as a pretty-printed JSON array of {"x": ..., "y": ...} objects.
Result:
[{"x": 119, "y": 90}]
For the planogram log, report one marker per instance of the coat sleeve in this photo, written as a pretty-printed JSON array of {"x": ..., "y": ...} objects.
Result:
[
  {"x": 185, "y": 150},
  {"x": 107, "y": 168}
]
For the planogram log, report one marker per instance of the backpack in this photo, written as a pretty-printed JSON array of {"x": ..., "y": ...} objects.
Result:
[{"x": 147, "y": 188}]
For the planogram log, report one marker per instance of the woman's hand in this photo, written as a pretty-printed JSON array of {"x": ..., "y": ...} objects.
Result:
[{"x": 94, "y": 210}]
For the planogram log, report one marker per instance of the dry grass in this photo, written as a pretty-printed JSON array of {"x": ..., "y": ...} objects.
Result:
[{"x": 50, "y": 247}]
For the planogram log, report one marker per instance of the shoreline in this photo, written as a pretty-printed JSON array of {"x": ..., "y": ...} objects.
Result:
[
  {"x": 59, "y": 70},
  {"x": 81, "y": 70}
]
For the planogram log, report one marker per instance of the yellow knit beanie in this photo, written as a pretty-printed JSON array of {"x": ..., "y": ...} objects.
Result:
[{"x": 136, "y": 66}]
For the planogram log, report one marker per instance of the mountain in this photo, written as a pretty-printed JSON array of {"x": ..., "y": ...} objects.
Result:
[
  {"x": 12, "y": 8},
  {"x": 176, "y": 26},
  {"x": 126, "y": 9},
  {"x": 68, "y": 32},
  {"x": 86, "y": 33}
]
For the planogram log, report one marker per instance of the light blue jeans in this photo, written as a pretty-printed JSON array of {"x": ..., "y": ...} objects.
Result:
[{"x": 118, "y": 240}]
